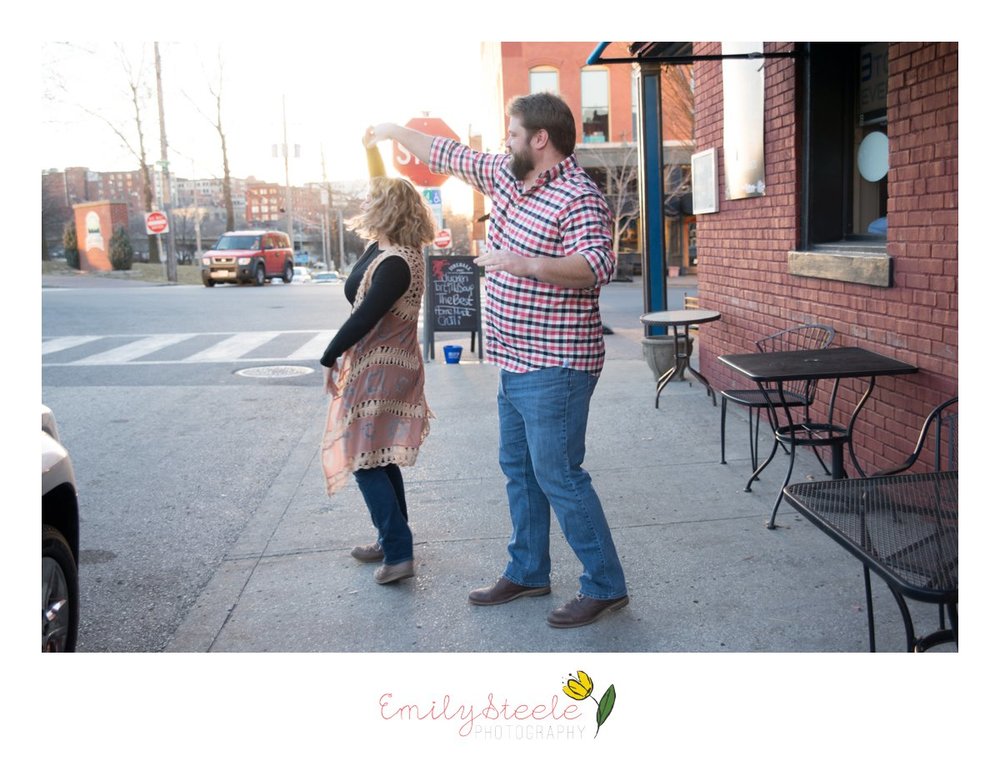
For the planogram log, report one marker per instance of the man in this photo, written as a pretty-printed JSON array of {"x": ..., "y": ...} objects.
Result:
[{"x": 549, "y": 253}]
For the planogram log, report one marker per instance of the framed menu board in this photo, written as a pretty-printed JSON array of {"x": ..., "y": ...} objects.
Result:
[{"x": 452, "y": 299}]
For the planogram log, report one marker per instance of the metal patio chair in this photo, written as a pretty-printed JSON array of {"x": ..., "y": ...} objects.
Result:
[
  {"x": 942, "y": 424},
  {"x": 800, "y": 394}
]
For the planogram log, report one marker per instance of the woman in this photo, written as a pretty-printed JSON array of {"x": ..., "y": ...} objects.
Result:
[{"x": 374, "y": 371}]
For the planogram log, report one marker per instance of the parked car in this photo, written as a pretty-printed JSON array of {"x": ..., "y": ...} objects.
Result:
[
  {"x": 60, "y": 543},
  {"x": 326, "y": 277},
  {"x": 248, "y": 256},
  {"x": 301, "y": 275}
]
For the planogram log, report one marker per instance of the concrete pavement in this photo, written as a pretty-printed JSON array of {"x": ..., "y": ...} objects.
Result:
[{"x": 704, "y": 573}]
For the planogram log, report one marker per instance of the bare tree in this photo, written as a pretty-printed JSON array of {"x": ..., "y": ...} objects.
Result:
[
  {"x": 216, "y": 122},
  {"x": 227, "y": 192},
  {"x": 55, "y": 215},
  {"x": 677, "y": 95},
  {"x": 615, "y": 167},
  {"x": 620, "y": 169},
  {"x": 139, "y": 95}
]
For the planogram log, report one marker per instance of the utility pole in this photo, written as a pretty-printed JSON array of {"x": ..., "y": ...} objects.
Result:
[
  {"x": 164, "y": 165},
  {"x": 288, "y": 187},
  {"x": 327, "y": 237},
  {"x": 340, "y": 232}
]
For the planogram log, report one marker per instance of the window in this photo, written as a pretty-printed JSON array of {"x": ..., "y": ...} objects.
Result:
[
  {"x": 846, "y": 146},
  {"x": 543, "y": 79},
  {"x": 594, "y": 104}
]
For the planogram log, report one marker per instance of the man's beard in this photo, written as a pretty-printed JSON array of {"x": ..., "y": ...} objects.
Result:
[{"x": 521, "y": 163}]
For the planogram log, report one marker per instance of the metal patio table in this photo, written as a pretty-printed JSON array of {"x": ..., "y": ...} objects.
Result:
[
  {"x": 675, "y": 319},
  {"x": 774, "y": 369},
  {"x": 903, "y": 527}
]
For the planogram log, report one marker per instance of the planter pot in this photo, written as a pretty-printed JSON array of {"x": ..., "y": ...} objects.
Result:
[{"x": 658, "y": 351}]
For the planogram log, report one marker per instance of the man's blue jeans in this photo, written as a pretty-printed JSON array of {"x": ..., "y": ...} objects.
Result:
[
  {"x": 383, "y": 491},
  {"x": 543, "y": 431}
]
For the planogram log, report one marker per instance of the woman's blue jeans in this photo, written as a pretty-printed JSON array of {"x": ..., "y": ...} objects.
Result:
[
  {"x": 382, "y": 489},
  {"x": 543, "y": 431}
]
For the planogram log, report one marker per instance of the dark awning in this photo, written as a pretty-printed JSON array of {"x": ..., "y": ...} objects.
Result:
[{"x": 672, "y": 53}]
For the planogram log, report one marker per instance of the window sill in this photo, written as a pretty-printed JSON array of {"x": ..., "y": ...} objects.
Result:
[{"x": 849, "y": 263}]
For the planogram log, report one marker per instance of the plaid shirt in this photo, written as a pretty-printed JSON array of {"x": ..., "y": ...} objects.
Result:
[{"x": 531, "y": 325}]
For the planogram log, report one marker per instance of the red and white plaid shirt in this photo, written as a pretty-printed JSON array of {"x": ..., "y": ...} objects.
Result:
[{"x": 530, "y": 325}]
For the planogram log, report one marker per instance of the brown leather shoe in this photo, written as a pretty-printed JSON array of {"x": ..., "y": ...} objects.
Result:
[
  {"x": 503, "y": 591},
  {"x": 368, "y": 553},
  {"x": 583, "y": 610},
  {"x": 386, "y": 574}
]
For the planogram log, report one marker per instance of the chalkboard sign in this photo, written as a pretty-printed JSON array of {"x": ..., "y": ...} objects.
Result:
[{"x": 452, "y": 299}]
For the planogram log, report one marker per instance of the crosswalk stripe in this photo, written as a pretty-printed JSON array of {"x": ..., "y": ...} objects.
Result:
[
  {"x": 314, "y": 347},
  {"x": 131, "y": 351},
  {"x": 229, "y": 347},
  {"x": 232, "y": 348},
  {"x": 65, "y": 342}
]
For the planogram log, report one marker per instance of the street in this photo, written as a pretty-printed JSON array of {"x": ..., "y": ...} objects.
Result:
[{"x": 173, "y": 447}]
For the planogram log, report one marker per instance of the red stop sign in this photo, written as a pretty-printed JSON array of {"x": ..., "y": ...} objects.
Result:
[
  {"x": 442, "y": 239},
  {"x": 409, "y": 165},
  {"x": 156, "y": 222}
]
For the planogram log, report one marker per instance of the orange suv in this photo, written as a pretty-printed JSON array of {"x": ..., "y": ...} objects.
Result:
[{"x": 248, "y": 256}]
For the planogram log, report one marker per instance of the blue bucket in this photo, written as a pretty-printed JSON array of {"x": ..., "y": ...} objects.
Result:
[{"x": 452, "y": 354}]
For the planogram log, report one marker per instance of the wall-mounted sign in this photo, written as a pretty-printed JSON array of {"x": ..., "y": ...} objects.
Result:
[
  {"x": 704, "y": 182},
  {"x": 743, "y": 120}
]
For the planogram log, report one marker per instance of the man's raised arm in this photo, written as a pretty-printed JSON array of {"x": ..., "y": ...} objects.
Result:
[{"x": 415, "y": 142}]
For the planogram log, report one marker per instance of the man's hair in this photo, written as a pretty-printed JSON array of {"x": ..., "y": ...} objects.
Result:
[{"x": 543, "y": 110}]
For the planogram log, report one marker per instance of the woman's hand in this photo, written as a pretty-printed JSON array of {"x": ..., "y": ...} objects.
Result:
[{"x": 329, "y": 378}]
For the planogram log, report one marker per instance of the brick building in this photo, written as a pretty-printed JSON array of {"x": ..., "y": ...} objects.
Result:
[
  {"x": 603, "y": 101},
  {"x": 875, "y": 257}
]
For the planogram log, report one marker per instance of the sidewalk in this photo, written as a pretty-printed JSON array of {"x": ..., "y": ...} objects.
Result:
[{"x": 704, "y": 573}]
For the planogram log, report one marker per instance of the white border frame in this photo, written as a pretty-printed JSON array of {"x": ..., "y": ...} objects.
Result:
[{"x": 704, "y": 182}]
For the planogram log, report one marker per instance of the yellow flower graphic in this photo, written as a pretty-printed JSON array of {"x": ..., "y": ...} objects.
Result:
[
  {"x": 579, "y": 688},
  {"x": 582, "y": 688}
]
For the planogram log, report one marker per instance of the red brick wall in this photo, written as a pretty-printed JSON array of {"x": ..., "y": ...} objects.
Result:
[
  {"x": 743, "y": 249},
  {"x": 518, "y": 58}
]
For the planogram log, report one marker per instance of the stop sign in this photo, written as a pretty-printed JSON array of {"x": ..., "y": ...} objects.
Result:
[
  {"x": 409, "y": 165},
  {"x": 156, "y": 222},
  {"x": 442, "y": 239}
]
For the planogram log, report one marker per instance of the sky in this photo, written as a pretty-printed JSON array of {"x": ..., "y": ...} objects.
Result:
[{"x": 324, "y": 95}]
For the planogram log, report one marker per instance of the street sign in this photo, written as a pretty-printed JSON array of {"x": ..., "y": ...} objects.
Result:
[
  {"x": 442, "y": 239},
  {"x": 409, "y": 165},
  {"x": 156, "y": 223},
  {"x": 433, "y": 198}
]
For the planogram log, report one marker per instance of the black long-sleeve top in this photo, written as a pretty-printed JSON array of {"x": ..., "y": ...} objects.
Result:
[{"x": 390, "y": 280}]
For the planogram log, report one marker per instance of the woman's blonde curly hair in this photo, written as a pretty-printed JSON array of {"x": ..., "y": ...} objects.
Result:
[{"x": 397, "y": 211}]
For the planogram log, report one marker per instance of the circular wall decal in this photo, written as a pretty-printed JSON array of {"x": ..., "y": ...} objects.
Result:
[{"x": 873, "y": 156}]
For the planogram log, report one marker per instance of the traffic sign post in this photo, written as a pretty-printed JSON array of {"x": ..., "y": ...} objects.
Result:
[
  {"x": 409, "y": 165},
  {"x": 443, "y": 239},
  {"x": 156, "y": 223}
]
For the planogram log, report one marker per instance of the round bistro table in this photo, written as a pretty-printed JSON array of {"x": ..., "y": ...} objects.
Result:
[{"x": 675, "y": 319}]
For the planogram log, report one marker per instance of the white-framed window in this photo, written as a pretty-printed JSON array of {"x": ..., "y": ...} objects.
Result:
[
  {"x": 543, "y": 79},
  {"x": 594, "y": 100}
]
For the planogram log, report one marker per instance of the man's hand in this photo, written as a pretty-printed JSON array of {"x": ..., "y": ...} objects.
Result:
[
  {"x": 565, "y": 271},
  {"x": 506, "y": 261}
]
